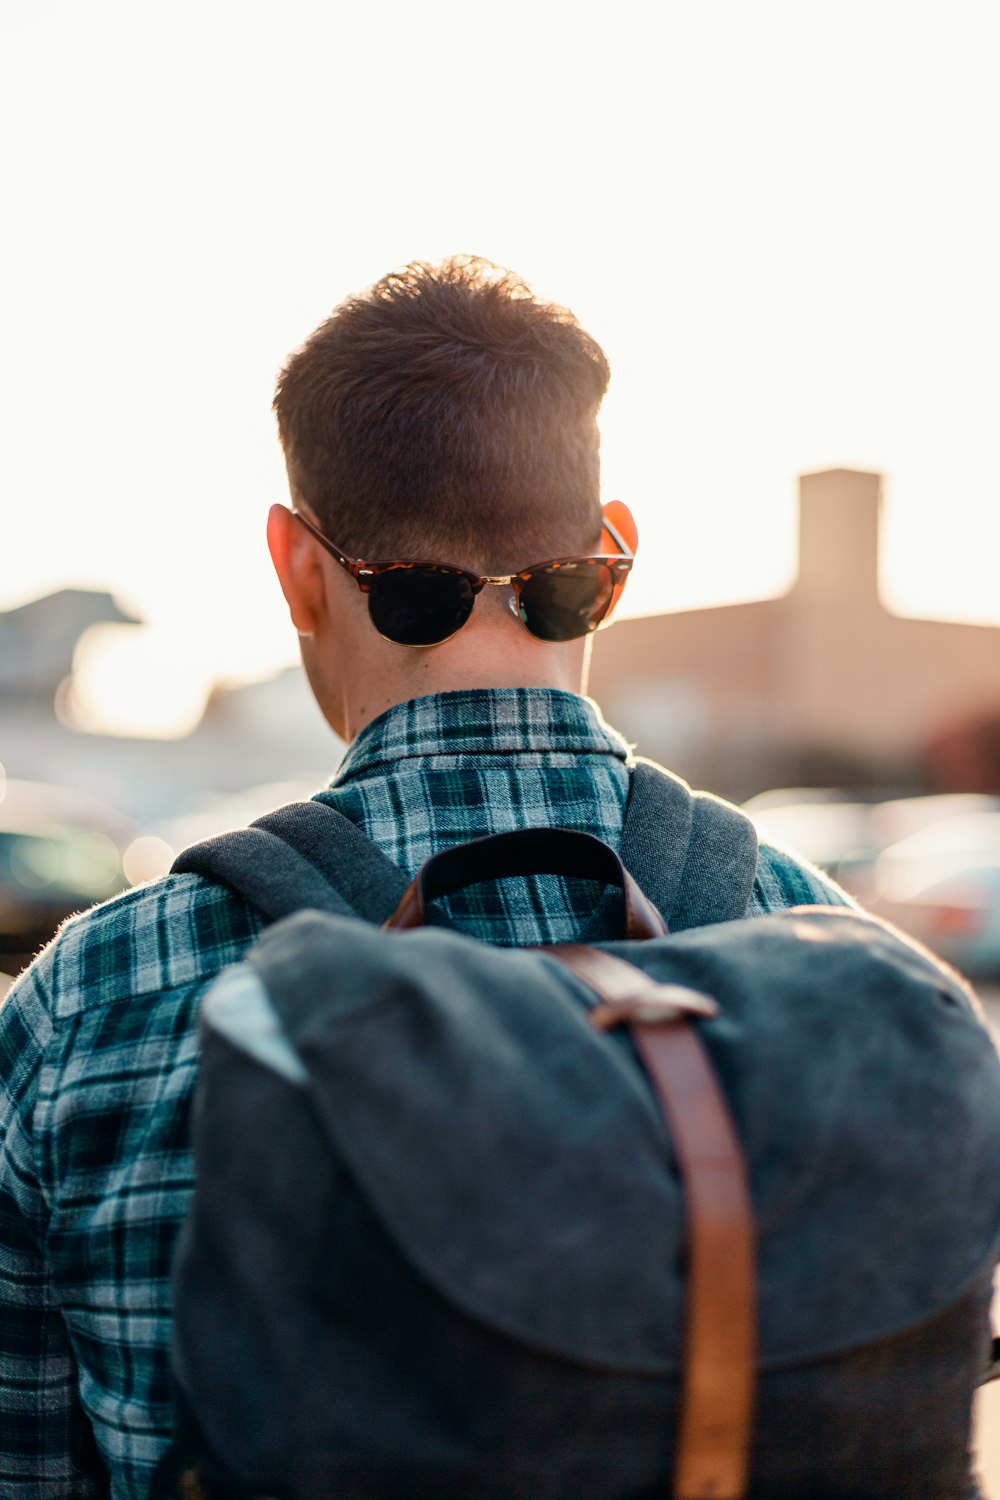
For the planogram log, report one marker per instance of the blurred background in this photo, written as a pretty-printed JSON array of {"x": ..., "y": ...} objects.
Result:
[{"x": 780, "y": 221}]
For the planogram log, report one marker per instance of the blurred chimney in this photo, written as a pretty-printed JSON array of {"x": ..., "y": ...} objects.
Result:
[{"x": 839, "y": 513}]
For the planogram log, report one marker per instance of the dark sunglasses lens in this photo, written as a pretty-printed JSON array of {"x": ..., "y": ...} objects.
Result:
[
  {"x": 419, "y": 606},
  {"x": 567, "y": 602}
]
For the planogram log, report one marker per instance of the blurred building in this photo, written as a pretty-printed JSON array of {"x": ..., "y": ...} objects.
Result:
[
  {"x": 37, "y": 640},
  {"x": 260, "y": 732},
  {"x": 823, "y": 686}
]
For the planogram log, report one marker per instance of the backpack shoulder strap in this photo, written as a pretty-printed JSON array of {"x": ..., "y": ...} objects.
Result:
[
  {"x": 694, "y": 855},
  {"x": 303, "y": 855}
]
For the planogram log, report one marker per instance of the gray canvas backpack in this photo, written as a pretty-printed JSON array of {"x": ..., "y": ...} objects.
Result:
[{"x": 711, "y": 1209}]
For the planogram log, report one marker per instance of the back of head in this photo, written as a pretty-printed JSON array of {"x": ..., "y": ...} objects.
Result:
[{"x": 447, "y": 412}]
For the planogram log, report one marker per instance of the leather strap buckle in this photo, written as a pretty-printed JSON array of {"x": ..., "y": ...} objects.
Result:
[{"x": 657, "y": 1005}]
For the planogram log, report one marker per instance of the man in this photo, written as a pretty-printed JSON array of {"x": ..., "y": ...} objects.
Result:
[{"x": 444, "y": 414}]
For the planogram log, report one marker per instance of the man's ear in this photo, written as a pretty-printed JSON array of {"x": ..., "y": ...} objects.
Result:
[
  {"x": 298, "y": 567},
  {"x": 622, "y": 519}
]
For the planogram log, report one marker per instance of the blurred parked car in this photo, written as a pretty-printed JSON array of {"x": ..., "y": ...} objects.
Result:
[
  {"x": 847, "y": 837},
  {"x": 942, "y": 885},
  {"x": 61, "y": 851},
  {"x": 824, "y": 826},
  {"x": 853, "y": 842}
]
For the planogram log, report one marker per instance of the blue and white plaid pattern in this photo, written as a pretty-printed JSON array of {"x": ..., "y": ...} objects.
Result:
[{"x": 98, "y": 1056}]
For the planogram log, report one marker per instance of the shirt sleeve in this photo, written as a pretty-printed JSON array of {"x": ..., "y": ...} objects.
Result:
[
  {"x": 46, "y": 1442},
  {"x": 784, "y": 879}
]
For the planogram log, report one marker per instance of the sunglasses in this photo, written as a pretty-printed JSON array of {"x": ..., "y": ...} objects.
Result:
[{"x": 425, "y": 603}]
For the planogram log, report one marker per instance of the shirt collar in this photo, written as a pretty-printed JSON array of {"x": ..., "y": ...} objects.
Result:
[{"x": 483, "y": 721}]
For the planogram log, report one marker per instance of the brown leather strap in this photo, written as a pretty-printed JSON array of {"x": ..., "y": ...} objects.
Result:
[
  {"x": 717, "y": 1386},
  {"x": 410, "y": 911}
]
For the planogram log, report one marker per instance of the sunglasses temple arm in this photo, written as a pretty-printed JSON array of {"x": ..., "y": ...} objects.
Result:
[{"x": 617, "y": 538}]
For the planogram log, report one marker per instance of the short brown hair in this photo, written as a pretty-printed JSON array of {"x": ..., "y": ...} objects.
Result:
[{"x": 447, "y": 411}]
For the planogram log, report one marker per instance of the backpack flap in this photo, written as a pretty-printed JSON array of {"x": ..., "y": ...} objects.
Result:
[
  {"x": 516, "y": 1157},
  {"x": 489, "y": 1126}
]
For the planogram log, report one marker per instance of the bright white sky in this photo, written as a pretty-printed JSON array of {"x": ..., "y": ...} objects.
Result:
[{"x": 780, "y": 219}]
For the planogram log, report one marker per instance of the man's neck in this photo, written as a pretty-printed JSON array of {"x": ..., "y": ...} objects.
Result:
[{"x": 563, "y": 668}]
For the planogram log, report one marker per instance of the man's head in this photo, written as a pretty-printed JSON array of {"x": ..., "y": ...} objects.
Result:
[
  {"x": 443, "y": 414},
  {"x": 446, "y": 412}
]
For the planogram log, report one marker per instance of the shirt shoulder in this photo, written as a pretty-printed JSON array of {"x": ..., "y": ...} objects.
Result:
[
  {"x": 178, "y": 931},
  {"x": 784, "y": 879}
]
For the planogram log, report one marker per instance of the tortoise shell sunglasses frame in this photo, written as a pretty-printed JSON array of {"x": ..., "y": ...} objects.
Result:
[{"x": 537, "y": 606}]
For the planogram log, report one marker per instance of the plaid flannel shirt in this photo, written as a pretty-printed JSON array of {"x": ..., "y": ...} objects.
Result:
[{"x": 98, "y": 1057}]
